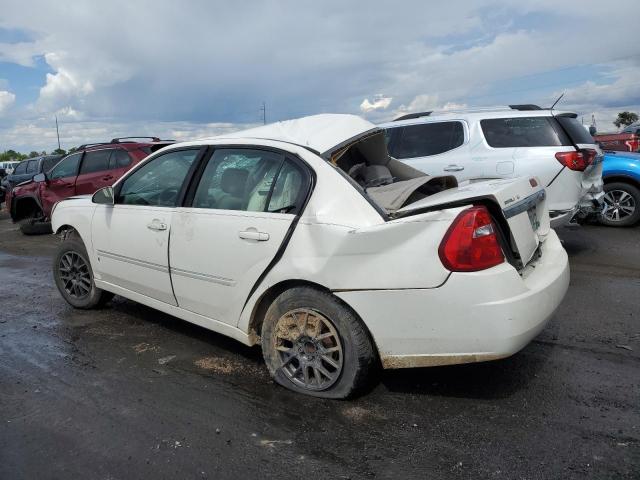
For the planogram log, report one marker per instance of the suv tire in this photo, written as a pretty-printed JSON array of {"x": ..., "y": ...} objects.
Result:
[
  {"x": 74, "y": 277},
  {"x": 34, "y": 226},
  {"x": 313, "y": 344}
]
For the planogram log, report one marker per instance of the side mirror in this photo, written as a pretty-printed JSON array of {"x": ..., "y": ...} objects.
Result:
[
  {"x": 592, "y": 130},
  {"x": 104, "y": 196},
  {"x": 40, "y": 177}
]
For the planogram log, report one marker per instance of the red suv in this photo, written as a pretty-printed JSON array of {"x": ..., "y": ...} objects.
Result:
[{"x": 84, "y": 171}]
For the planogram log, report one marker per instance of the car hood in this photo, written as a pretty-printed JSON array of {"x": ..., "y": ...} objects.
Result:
[{"x": 323, "y": 133}]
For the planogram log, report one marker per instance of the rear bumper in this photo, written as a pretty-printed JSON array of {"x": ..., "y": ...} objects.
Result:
[{"x": 471, "y": 317}]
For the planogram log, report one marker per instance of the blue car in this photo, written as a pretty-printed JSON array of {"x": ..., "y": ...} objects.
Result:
[{"x": 621, "y": 176}]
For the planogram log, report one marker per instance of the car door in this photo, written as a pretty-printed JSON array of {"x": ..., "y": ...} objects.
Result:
[
  {"x": 131, "y": 237},
  {"x": 436, "y": 148},
  {"x": 94, "y": 171},
  {"x": 61, "y": 182},
  {"x": 233, "y": 224}
]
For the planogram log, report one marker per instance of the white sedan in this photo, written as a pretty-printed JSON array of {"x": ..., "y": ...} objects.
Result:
[{"x": 306, "y": 237}]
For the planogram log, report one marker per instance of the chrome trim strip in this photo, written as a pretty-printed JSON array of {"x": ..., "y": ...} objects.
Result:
[
  {"x": 524, "y": 204},
  {"x": 134, "y": 261},
  {"x": 227, "y": 282}
]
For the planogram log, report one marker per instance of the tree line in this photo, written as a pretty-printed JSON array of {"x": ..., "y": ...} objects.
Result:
[
  {"x": 13, "y": 156},
  {"x": 624, "y": 120}
]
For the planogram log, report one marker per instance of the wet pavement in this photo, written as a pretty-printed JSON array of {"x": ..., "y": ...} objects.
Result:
[{"x": 128, "y": 392}]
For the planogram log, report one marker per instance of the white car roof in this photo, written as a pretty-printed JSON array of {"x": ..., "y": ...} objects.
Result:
[
  {"x": 473, "y": 115},
  {"x": 317, "y": 132}
]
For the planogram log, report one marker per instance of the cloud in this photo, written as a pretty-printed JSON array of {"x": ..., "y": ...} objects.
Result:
[
  {"x": 6, "y": 100},
  {"x": 126, "y": 63},
  {"x": 380, "y": 102}
]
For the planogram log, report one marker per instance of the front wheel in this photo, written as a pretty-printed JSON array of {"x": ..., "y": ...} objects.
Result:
[
  {"x": 621, "y": 205},
  {"x": 313, "y": 344},
  {"x": 74, "y": 277}
]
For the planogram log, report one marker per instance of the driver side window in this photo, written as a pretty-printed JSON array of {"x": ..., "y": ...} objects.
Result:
[
  {"x": 68, "y": 167},
  {"x": 158, "y": 182}
]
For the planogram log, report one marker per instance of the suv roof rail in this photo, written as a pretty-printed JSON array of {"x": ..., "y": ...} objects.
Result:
[
  {"x": 87, "y": 145},
  {"x": 525, "y": 107},
  {"x": 409, "y": 116},
  {"x": 119, "y": 139}
]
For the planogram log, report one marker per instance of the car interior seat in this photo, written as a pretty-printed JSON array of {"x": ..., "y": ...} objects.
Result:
[{"x": 233, "y": 185}]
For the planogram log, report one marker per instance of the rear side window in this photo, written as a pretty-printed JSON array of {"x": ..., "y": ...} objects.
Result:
[
  {"x": 523, "y": 132},
  {"x": 96, "y": 161},
  {"x": 424, "y": 140},
  {"x": 575, "y": 129},
  {"x": 32, "y": 166},
  {"x": 239, "y": 179},
  {"x": 119, "y": 159}
]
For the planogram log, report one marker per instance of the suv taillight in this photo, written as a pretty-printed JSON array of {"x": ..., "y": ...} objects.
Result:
[
  {"x": 633, "y": 145},
  {"x": 577, "y": 161},
  {"x": 471, "y": 243}
]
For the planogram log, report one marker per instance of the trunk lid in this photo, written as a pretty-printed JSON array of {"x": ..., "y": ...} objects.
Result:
[{"x": 517, "y": 204}]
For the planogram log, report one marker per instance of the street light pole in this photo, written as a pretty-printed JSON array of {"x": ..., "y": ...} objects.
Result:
[{"x": 58, "y": 133}]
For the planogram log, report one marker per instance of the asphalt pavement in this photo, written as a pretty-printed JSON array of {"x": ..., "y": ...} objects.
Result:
[{"x": 128, "y": 392}]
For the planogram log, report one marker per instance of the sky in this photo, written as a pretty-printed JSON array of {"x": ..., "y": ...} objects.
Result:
[{"x": 193, "y": 69}]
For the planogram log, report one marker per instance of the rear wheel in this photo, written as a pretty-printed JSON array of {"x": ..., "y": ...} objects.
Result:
[
  {"x": 74, "y": 277},
  {"x": 315, "y": 345},
  {"x": 622, "y": 205}
]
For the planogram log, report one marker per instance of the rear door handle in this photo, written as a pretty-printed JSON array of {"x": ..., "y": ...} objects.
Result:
[
  {"x": 157, "y": 226},
  {"x": 453, "y": 168},
  {"x": 254, "y": 235},
  {"x": 107, "y": 178}
]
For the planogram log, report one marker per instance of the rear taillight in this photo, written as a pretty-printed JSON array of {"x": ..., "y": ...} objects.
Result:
[
  {"x": 577, "y": 161},
  {"x": 471, "y": 243}
]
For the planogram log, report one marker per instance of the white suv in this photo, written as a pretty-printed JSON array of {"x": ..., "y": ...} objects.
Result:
[{"x": 514, "y": 141}]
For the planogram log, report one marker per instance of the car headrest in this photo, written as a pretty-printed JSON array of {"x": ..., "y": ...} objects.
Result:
[{"x": 234, "y": 181}]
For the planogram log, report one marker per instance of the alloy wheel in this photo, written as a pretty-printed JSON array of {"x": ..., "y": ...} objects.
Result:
[
  {"x": 75, "y": 275},
  {"x": 309, "y": 348},
  {"x": 618, "y": 205}
]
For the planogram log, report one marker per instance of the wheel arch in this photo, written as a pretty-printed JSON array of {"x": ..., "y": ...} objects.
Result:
[
  {"x": 265, "y": 300},
  {"x": 622, "y": 179},
  {"x": 24, "y": 207},
  {"x": 65, "y": 229}
]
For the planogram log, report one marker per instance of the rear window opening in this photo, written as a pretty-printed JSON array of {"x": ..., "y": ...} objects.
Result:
[
  {"x": 524, "y": 132},
  {"x": 389, "y": 183}
]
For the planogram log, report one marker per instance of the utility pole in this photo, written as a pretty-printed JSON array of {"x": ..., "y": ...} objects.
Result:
[
  {"x": 58, "y": 133},
  {"x": 263, "y": 109}
]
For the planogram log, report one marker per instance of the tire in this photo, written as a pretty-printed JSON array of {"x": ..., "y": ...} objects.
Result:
[
  {"x": 622, "y": 200},
  {"x": 330, "y": 336},
  {"x": 74, "y": 277},
  {"x": 35, "y": 227}
]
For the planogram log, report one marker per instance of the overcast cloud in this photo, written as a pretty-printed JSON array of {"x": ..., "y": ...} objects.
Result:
[{"x": 197, "y": 68}]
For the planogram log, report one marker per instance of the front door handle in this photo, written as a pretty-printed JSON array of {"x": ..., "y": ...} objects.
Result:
[
  {"x": 157, "y": 226},
  {"x": 253, "y": 234},
  {"x": 453, "y": 168}
]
